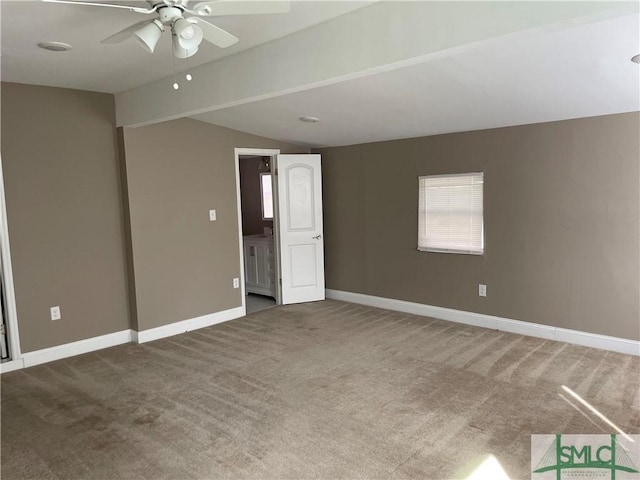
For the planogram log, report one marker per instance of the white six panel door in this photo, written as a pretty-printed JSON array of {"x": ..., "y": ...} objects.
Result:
[{"x": 300, "y": 228}]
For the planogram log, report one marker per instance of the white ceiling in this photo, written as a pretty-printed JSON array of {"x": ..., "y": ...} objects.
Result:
[
  {"x": 388, "y": 70},
  {"x": 113, "y": 68},
  {"x": 539, "y": 77}
]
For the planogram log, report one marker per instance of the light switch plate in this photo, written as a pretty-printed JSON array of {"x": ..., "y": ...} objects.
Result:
[
  {"x": 55, "y": 313},
  {"x": 236, "y": 283},
  {"x": 482, "y": 290},
  {"x": 212, "y": 215}
]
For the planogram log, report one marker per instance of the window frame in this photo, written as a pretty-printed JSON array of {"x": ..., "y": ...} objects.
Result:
[{"x": 423, "y": 211}]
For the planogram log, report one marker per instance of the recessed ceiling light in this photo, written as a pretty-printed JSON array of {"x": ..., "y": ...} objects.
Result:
[
  {"x": 636, "y": 59},
  {"x": 309, "y": 119},
  {"x": 55, "y": 46}
]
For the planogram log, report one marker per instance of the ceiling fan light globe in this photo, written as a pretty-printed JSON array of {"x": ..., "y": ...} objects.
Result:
[
  {"x": 148, "y": 36},
  {"x": 188, "y": 34},
  {"x": 179, "y": 51}
]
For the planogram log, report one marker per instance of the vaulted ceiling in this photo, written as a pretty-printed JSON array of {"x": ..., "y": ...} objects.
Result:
[{"x": 370, "y": 71}]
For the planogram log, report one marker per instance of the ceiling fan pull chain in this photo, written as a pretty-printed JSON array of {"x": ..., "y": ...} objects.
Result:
[
  {"x": 176, "y": 86},
  {"x": 188, "y": 75}
]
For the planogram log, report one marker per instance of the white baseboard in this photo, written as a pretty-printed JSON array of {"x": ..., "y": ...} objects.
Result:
[
  {"x": 604, "y": 342},
  {"x": 75, "y": 348},
  {"x": 10, "y": 366},
  {"x": 118, "y": 338},
  {"x": 177, "y": 328}
]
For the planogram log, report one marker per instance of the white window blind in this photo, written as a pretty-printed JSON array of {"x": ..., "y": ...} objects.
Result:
[{"x": 450, "y": 217}]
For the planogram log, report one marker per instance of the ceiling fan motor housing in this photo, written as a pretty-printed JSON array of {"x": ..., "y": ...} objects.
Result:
[
  {"x": 168, "y": 15},
  {"x": 200, "y": 9},
  {"x": 168, "y": 3}
]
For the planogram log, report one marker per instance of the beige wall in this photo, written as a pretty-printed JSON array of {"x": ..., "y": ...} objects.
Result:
[
  {"x": 64, "y": 213},
  {"x": 251, "y": 193},
  {"x": 562, "y": 209},
  {"x": 184, "y": 264}
]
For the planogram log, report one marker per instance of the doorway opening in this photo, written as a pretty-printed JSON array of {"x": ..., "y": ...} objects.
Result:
[
  {"x": 10, "y": 354},
  {"x": 257, "y": 223}
]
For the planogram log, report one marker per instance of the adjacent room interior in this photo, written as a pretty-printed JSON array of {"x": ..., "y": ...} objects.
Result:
[
  {"x": 347, "y": 239},
  {"x": 256, "y": 204}
]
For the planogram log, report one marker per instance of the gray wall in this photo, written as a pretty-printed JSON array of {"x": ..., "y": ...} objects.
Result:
[
  {"x": 71, "y": 188},
  {"x": 251, "y": 193},
  {"x": 64, "y": 213},
  {"x": 183, "y": 263},
  {"x": 562, "y": 209}
]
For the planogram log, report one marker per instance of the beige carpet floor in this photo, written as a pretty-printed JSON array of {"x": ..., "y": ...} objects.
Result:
[{"x": 326, "y": 390}]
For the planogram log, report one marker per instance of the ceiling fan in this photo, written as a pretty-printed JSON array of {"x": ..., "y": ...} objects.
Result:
[{"x": 183, "y": 19}]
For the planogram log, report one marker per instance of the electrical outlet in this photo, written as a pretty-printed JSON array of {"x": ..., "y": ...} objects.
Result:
[
  {"x": 482, "y": 290},
  {"x": 212, "y": 215},
  {"x": 236, "y": 283},
  {"x": 55, "y": 313}
]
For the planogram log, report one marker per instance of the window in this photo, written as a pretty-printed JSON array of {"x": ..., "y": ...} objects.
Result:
[
  {"x": 450, "y": 217},
  {"x": 267, "y": 197}
]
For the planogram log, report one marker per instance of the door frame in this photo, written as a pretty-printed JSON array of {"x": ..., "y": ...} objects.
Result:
[
  {"x": 11, "y": 320},
  {"x": 262, "y": 152}
]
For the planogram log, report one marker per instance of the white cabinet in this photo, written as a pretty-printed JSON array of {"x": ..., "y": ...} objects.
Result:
[{"x": 259, "y": 266}]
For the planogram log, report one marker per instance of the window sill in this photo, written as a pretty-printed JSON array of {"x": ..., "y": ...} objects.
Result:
[{"x": 459, "y": 252}]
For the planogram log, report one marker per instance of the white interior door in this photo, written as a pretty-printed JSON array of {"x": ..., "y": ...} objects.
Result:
[{"x": 300, "y": 228}]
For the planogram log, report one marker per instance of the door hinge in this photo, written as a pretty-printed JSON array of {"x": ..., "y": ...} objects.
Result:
[
  {"x": 280, "y": 280},
  {"x": 2, "y": 329}
]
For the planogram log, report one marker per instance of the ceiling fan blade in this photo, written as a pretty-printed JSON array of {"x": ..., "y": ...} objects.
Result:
[
  {"x": 219, "y": 37},
  {"x": 219, "y": 8},
  {"x": 122, "y": 35},
  {"x": 93, "y": 4}
]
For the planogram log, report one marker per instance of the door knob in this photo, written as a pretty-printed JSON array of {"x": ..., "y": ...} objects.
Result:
[{"x": 317, "y": 237}]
